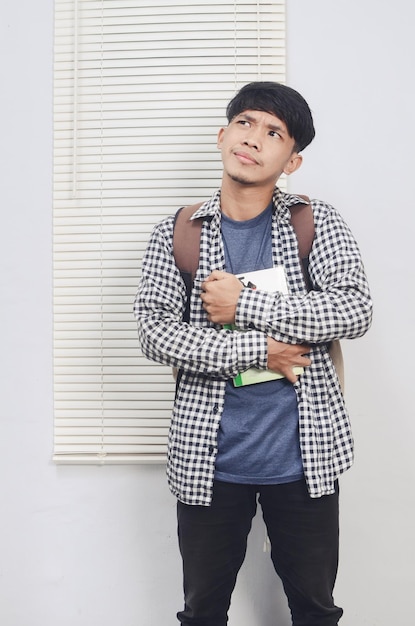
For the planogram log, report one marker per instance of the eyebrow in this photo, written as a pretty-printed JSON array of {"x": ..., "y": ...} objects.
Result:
[{"x": 276, "y": 127}]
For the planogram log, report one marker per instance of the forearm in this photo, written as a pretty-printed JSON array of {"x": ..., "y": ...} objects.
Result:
[
  {"x": 316, "y": 317},
  {"x": 220, "y": 353},
  {"x": 199, "y": 346},
  {"x": 339, "y": 306}
]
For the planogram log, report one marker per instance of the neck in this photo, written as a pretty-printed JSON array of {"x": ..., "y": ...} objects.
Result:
[{"x": 244, "y": 202}]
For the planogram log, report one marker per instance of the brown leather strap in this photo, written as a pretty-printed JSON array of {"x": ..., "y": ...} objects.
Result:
[
  {"x": 186, "y": 239},
  {"x": 302, "y": 221},
  {"x": 186, "y": 251}
]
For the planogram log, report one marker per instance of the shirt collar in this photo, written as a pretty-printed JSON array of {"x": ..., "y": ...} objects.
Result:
[
  {"x": 209, "y": 208},
  {"x": 282, "y": 203}
]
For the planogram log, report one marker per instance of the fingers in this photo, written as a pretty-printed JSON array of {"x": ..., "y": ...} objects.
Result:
[
  {"x": 283, "y": 358},
  {"x": 290, "y": 375},
  {"x": 216, "y": 275}
]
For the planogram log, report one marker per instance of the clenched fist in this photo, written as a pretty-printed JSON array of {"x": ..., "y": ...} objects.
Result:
[{"x": 220, "y": 294}]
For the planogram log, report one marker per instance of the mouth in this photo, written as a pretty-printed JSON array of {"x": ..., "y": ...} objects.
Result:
[{"x": 245, "y": 157}]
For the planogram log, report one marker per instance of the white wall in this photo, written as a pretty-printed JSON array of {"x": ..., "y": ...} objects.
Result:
[
  {"x": 90, "y": 545},
  {"x": 354, "y": 60}
]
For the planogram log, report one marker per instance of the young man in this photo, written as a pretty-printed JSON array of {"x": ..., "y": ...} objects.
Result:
[{"x": 284, "y": 442}]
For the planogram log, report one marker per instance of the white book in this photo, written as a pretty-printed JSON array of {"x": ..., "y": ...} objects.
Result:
[{"x": 272, "y": 279}]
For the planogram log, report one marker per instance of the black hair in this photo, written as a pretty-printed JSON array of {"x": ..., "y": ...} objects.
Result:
[{"x": 279, "y": 100}]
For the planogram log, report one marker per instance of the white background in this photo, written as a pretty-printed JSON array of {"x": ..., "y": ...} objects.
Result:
[{"x": 82, "y": 546}]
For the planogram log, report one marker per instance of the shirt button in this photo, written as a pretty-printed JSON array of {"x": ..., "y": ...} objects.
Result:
[
  {"x": 211, "y": 449},
  {"x": 215, "y": 408}
]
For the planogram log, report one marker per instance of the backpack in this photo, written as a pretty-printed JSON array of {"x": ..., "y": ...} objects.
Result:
[{"x": 186, "y": 250}]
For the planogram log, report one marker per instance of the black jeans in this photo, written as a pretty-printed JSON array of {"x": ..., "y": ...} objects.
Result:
[{"x": 304, "y": 536}]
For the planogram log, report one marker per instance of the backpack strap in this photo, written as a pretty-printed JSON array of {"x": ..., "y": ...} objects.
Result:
[
  {"x": 186, "y": 248},
  {"x": 302, "y": 221},
  {"x": 186, "y": 251},
  {"x": 186, "y": 241}
]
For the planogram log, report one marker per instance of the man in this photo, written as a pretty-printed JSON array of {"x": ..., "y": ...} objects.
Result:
[{"x": 283, "y": 441}]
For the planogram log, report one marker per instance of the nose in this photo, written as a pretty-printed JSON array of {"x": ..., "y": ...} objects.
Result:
[{"x": 252, "y": 139}]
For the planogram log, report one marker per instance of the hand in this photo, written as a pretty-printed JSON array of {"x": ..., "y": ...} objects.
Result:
[
  {"x": 282, "y": 357},
  {"x": 220, "y": 294}
]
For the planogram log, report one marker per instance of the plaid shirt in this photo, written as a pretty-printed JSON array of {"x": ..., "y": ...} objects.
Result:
[{"x": 339, "y": 306}]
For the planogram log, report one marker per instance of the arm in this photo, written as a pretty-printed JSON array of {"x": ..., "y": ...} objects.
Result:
[
  {"x": 199, "y": 347},
  {"x": 220, "y": 295},
  {"x": 339, "y": 306}
]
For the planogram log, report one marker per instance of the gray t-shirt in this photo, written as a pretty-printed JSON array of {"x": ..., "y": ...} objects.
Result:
[{"x": 258, "y": 439}]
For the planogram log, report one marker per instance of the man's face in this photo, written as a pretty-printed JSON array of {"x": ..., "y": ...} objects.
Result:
[{"x": 256, "y": 149}]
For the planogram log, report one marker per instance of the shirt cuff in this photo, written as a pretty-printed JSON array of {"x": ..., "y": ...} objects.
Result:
[
  {"x": 253, "y": 309},
  {"x": 251, "y": 349}
]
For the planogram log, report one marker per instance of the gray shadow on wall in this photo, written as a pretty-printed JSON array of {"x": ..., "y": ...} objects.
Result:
[{"x": 259, "y": 598}]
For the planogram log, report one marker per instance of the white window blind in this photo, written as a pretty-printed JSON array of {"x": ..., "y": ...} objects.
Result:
[{"x": 140, "y": 90}]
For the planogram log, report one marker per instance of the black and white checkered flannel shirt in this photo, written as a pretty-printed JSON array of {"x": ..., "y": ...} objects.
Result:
[{"x": 338, "y": 307}]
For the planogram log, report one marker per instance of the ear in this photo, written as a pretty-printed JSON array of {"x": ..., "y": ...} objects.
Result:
[
  {"x": 220, "y": 137},
  {"x": 293, "y": 163}
]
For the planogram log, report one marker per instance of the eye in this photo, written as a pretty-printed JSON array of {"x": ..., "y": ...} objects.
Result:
[
  {"x": 243, "y": 122},
  {"x": 274, "y": 133}
]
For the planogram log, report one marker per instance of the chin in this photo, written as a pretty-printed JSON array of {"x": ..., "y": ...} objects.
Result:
[{"x": 242, "y": 180}]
